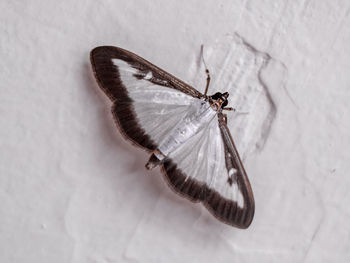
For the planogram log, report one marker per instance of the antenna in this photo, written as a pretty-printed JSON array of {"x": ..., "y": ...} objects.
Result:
[{"x": 206, "y": 70}]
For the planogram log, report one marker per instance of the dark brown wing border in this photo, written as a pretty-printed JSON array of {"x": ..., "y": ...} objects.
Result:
[
  {"x": 181, "y": 184},
  {"x": 108, "y": 78}
]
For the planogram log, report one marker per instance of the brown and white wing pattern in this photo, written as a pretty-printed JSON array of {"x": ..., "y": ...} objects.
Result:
[
  {"x": 207, "y": 169},
  {"x": 147, "y": 104},
  {"x": 231, "y": 199},
  {"x": 147, "y": 100}
]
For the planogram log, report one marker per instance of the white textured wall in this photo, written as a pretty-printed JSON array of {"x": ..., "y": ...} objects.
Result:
[{"x": 72, "y": 190}]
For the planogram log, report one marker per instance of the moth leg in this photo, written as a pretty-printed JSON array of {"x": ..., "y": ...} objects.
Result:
[
  {"x": 206, "y": 71},
  {"x": 229, "y": 109}
]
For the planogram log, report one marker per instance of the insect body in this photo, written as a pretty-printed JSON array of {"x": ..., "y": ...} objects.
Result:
[
  {"x": 199, "y": 114},
  {"x": 184, "y": 131}
]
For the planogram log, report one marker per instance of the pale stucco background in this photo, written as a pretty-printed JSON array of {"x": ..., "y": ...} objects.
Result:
[{"x": 72, "y": 190}]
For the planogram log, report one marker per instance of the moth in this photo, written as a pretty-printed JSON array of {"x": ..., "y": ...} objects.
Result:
[{"x": 184, "y": 131}]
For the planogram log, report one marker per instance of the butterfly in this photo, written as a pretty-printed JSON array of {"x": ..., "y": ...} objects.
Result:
[{"x": 184, "y": 131}]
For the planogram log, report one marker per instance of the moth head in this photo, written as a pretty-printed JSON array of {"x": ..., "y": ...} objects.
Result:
[{"x": 221, "y": 98}]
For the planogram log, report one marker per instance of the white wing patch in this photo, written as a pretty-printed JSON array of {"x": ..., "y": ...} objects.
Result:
[
  {"x": 149, "y": 75},
  {"x": 232, "y": 172},
  {"x": 158, "y": 108},
  {"x": 202, "y": 158}
]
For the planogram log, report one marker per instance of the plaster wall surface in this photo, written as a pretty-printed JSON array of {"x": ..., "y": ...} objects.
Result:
[{"x": 73, "y": 190}]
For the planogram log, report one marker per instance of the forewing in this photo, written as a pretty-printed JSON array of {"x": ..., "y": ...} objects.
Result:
[
  {"x": 230, "y": 197},
  {"x": 208, "y": 169},
  {"x": 147, "y": 100}
]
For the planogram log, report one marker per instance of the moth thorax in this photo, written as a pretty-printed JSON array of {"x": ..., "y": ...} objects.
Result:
[{"x": 220, "y": 98}]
